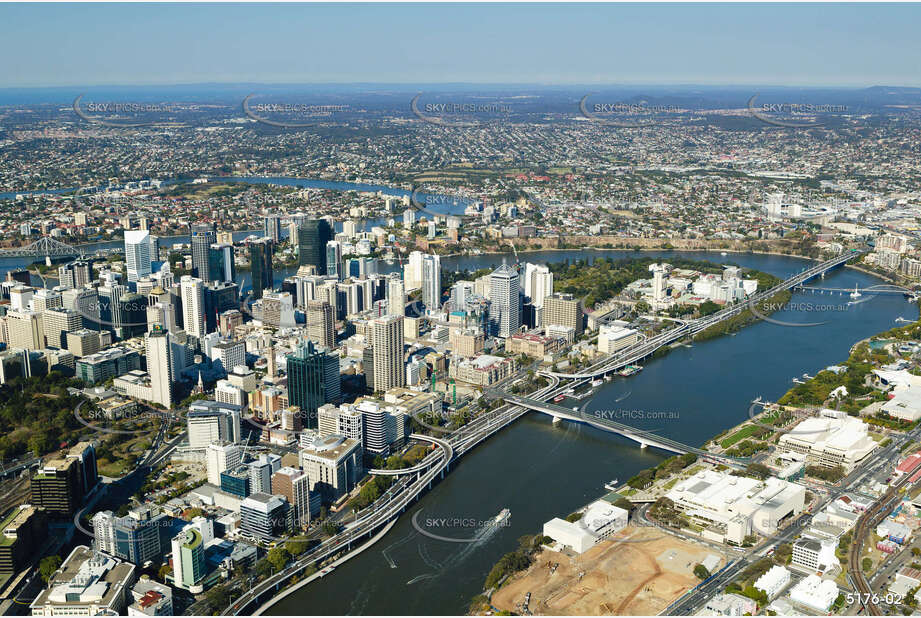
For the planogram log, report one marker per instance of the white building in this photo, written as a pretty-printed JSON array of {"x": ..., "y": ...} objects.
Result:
[
  {"x": 538, "y": 283},
  {"x": 614, "y": 337},
  {"x": 831, "y": 439},
  {"x": 599, "y": 521},
  {"x": 431, "y": 283},
  {"x": 222, "y": 456},
  {"x": 815, "y": 593},
  {"x": 193, "y": 305},
  {"x": 88, "y": 583},
  {"x": 774, "y": 581},
  {"x": 139, "y": 253},
  {"x": 729, "y": 605}
]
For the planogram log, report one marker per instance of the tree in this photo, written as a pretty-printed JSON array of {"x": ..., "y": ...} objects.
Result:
[
  {"x": 866, "y": 564},
  {"x": 278, "y": 558},
  {"x": 48, "y": 566},
  {"x": 701, "y": 572},
  {"x": 164, "y": 571},
  {"x": 218, "y": 597}
]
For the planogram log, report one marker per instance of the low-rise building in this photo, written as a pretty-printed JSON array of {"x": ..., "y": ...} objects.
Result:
[
  {"x": 774, "y": 581},
  {"x": 88, "y": 583},
  {"x": 831, "y": 439},
  {"x": 815, "y": 593},
  {"x": 600, "y": 521}
]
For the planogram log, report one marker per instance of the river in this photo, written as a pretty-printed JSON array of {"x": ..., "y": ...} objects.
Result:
[{"x": 539, "y": 471}]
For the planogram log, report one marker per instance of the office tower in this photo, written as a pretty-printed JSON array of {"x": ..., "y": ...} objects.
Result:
[
  {"x": 396, "y": 296},
  {"x": 333, "y": 465},
  {"x": 260, "y": 264},
  {"x": 56, "y": 323},
  {"x": 110, "y": 362},
  {"x": 350, "y": 293},
  {"x": 313, "y": 379},
  {"x": 265, "y": 516},
  {"x": 334, "y": 265},
  {"x": 159, "y": 365},
  {"x": 412, "y": 277},
  {"x": 139, "y": 254},
  {"x": 312, "y": 237},
  {"x": 162, "y": 314},
  {"x": 220, "y": 296},
  {"x": 321, "y": 324},
  {"x": 226, "y": 355},
  {"x": 193, "y": 306},
  {"x": 25, "y": 330},
  {"x": 294, "y": 485},
  {"x": 135, "y": 537},
  {"x": 376, "y": 431},
  {"x": 221, "y": 456},
  {"x": 538, "y": 283},
  {"x": 387, "y": 352},
  {"x": 213, "y": 421},
  {"x": 21, "y": 297},
  {"x": 25, "y": 530},
  {"x": 46, "y": 299},
  {"x": 271, "y": 228},
  {"x": 228, "y": 321},
  {"x": 203, "y": 236},
  {"x": 431, "y": 283},
  {"x": 563, "y": 310},
  {"x": 278, "y": 309},
  {"x": 461, "y": 292},
  {"x": 261, "y": 471},
  {"x": 188, "y": 558},
  {"x": 76, "y": 274},
  {"x": 505, "y": 307},
  {"x": 235, "y": 481},
  {"x": 61, "y": 484},
  {"x": 129, "y": 312},
  {"x": 83, "y": 342},
  {"x": 221, "y": 263},
  {"x": 350, "y": 228}
]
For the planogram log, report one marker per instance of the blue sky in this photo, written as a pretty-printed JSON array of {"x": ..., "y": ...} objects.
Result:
[{"x": 779, "y": 44}]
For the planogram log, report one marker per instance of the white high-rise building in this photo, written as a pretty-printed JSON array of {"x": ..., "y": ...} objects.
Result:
[
  {"x": 222, "y": 456},
  {"x": 431, "y": 282},
  {"x": 396, "y": 296},
  {"x": 538, "y": 283},
  {"x": 159, "y": 365},
  {"x": 387, "y": 352},
  {"x": 350, "y": 228},
  {"x": 193, "y": 305},
  {"x": 212, "y": 421},
  {"x": 412, "y": 277},
  {"x": 505, "y": 303},
  {"x": 659, "y": 272},
  {"x": 461, "y": 293},
  {"x": 139, "y": 249}
]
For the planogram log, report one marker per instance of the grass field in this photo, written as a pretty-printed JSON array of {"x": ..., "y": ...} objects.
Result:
[{"x": 746, "y": 432}]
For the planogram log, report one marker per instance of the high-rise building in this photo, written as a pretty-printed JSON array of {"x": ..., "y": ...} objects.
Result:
[
  {"x": 538, "y": 283},
  {"x": 213, "y": 421},
  {"x": 334, "y": 264},
  {"x": 222, "y": 456},
  {"x": 221, "y": 263},
  {"x": 431, "y": 282},
  {"x": 505, "y": 307},
  {"x": 265, "y": 516},
  {"x": 76, "y": 274},
  {"x": 261, "y": 471},
  {"x": 387, "y": 351},
  {"x": 24, "y": 530},
  {"x": 139, "y": 253},
  {"x": 294, "y": 485},
  {"x": 160, "y": 365},
  {"x": 188, "y": 558},
  {"x": 312, "y": 236},
  {"x": 333, "y": 465},
  {"x": 25, "y": 330},
  {"x": 396, "y": 296},
  {"x": 271, "y": 228},
  {"x": 563, "y": 310},
  {"x": 57, "y": 323},
  {"x": 193, "y": 306},
  {"x": 321, "y": 323},
  {"x": 135, "y": 538},
  {"x": 260, "y": 263},
  {"x": 61, "y": 484},
  {"x": 412, "y": 276},
  {"x": 203, "y": 236},
  {"x": 313, "y": 380}
]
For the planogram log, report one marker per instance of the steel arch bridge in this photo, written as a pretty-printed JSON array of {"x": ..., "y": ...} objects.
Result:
[{"x": 43, "y": 247}]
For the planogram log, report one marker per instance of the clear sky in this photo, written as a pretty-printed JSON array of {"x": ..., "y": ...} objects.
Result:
[{"x": 779, "y": 44}]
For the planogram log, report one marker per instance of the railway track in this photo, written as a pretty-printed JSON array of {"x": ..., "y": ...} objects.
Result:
[{"x": 868, "y": 521}]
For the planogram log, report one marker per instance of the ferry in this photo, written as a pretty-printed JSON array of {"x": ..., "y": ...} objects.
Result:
[
  {"x": 723, "y": 253},
  {"x": 856, "y": 293},
  {"x": 502, "y": 517},
  {"x": 597, "y": 382},
  {"x": 611, "y": 485},
  {"x": 629, "y": 370},
  {"x": 559, "y": 398}
]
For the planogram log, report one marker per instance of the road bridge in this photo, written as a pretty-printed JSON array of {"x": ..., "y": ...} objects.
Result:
[
  {"x": 446, "y": 453},
  {"x": 46, "y": 247}
]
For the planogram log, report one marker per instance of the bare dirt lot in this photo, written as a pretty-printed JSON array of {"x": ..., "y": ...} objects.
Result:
[{"x": 626, "y": 578}]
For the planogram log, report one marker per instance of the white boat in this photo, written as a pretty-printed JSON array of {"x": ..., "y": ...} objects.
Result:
[
  {"x": 856, "y": 293},
  {"x": 502, "y": 516},
  {"x": 723, "y": 253}
]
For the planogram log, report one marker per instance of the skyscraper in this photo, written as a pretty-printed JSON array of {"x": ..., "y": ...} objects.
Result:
[
  {"x": 313, "y": 380},
  {"x": 321, "y": 324},
  {"x": 193, "y": 306},
  {"x": 139, "y": 248},
  {"x": 412, "y": 276},
  {"x": 271, "y": 225},
  {"x": 396, "y": 296},
  {"x": 76, "y": 274},
  {"x": 159, "y": 364},
  {"x": 505, "y": 307},
  {"x": 188, "y": 558},
  {"x": 260, "y": 264},
  {"x": 563, "y": 310},
  {"x": 538, "y": 283},
  {"x": 334, "y": 265},
  {"x": 431, "y": 282},
  {"x": 203, "y": 236},
  {"x": 220, "y": 263},
  {"x": 312, "y": 237},
  {"x": 387, "y": 352}
]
